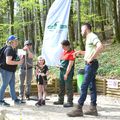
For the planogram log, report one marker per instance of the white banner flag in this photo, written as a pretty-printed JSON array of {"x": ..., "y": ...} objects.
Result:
[{"x": 56, "y": 30}]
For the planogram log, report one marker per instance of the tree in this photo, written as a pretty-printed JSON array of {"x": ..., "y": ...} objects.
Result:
[
  {"x": 91, "y": 4},
  {"x": 82, "y": 47},
  {"x": 101, "y": 21},
  {"x": 115, "y": 22},
  {"x": 29, "y": 20},
  {"x": 71, "y": 27},
  {"x": 11, "y": 2},
  {"x": 118, "y": 12},
  {"x": 25, "y": 19}
]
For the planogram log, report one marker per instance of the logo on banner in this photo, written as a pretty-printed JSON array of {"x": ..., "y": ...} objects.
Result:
[{"x": 56, "y": 25}]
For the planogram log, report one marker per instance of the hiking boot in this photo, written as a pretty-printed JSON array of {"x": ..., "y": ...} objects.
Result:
[
  {"x": 92, "y": 111},
  {"x": 3, "y": 103},
  {"x": 69, "y": 104},
  {"x": 58, "y": 103},
  {"x": 43, "y": 102},
  {"x": 76, "y": 113},
  {"x": 39, "y": 103}
]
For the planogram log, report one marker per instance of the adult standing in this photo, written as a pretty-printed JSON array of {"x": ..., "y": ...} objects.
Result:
[
  {"x": 25, "y": 71},
  {"x": 66, "y": 75},
  {"x": 92, "y": 49},
  {"x": 7, "y": 70}
]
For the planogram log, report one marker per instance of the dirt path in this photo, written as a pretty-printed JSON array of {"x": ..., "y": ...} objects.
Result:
[{"x": 108, "y": 108}]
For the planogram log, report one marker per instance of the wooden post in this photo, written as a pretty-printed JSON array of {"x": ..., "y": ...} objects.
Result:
[{"x": 104, "y": 87}]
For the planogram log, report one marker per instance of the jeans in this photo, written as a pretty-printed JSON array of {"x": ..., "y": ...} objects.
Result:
[
  {"x": 25, "y": 74},
  {"x": 89, "y": 82},
  {"x": 7, "y": 78}
]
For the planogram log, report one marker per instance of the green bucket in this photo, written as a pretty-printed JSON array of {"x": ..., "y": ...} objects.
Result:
[{"x": 80, "y": 78}]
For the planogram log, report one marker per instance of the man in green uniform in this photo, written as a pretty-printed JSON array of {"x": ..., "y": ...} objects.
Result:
[{"x": 66, "y": 75}]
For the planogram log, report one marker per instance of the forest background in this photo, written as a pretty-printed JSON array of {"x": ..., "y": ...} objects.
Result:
[{"x": 26, "y": 19}]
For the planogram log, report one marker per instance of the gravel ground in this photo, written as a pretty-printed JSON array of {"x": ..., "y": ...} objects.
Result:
[{"x": 108, "y": 109}]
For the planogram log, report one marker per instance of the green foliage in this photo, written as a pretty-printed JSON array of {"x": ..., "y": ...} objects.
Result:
[
  {"x": 30, "y": 4},
  {"x": 3, "y": 7},
  {"x": 110, "y": 62},
  {"x": 3, "y": 33}
]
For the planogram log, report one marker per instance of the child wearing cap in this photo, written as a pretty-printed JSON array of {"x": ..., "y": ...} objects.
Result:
[{"x": 41, "y": 78}]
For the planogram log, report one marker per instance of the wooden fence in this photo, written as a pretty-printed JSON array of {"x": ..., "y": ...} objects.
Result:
[
  {"x": 113, "y": 87},
  {"x": 104, "y": 87}
]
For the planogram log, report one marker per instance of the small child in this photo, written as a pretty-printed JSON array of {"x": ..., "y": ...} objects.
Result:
[{"x": 41, "y": 78}]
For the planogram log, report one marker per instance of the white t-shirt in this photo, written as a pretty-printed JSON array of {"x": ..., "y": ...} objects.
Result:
[{"x": 91, "y": 41}]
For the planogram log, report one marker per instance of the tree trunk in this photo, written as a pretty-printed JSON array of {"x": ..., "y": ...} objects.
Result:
[
  {"x": 118, "y": 12},
  {"x": 52, "y": 1},
  {"x": 82, "y": 46},
  {"x": 25, "y": 19},
  {"x": 71, "y": 28},
  {"x": 40, "y": 24},
  {"x": 115, "y": 22},
  {"x": 11, "y": 2},
  {"x": 91, "y": 13},
  {"x": 101, "y": 22},
  {"x": 1, "y": 31},
  {"x": 31, "y": 27},
  {"x": 48, "y": 5},
  {"x": 43, "y": 14},
  {"x": 35, "y": 32}
]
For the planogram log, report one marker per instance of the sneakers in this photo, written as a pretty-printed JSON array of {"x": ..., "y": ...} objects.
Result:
[
  {"x": 78, "y": 112},
  {"x": 58, "y": 103},
  {"x": 18, "y": 102},
  {"x": 69, "y": 104},
  {"x": 3, "y": 103},
  {"x": 23, "y": 101}
]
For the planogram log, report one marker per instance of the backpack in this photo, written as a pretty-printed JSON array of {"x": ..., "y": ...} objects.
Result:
[{"x": 1, "y": 54}]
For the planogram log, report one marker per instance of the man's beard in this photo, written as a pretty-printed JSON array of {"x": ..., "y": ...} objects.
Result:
[{"x": 84, "y": 35}]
